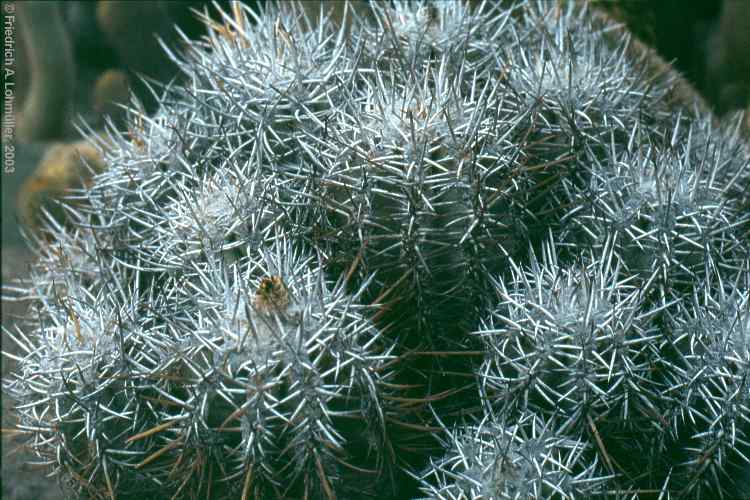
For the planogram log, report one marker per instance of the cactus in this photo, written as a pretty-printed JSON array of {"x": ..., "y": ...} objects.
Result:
[
  {"x": 246, "y": 374},
  {"x": 523, "y": 460},
  {"x": 279, "y": 285},
  {"x": 576, "y": 342},
  {"x": 667, "y": 207},
  {"x": 707, "y": 364}
]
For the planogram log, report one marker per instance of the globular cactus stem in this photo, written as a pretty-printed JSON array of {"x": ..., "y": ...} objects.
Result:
[{"x": 324, "y": 227}]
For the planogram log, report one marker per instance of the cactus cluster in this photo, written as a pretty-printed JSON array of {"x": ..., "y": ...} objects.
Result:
[{"x": 444, "y": 251}]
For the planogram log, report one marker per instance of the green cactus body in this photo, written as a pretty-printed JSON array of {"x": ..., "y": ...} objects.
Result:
[{"x": 445, "y": 250}]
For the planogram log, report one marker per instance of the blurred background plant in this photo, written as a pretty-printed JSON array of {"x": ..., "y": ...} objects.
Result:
[{"x": 707, "y": 41}]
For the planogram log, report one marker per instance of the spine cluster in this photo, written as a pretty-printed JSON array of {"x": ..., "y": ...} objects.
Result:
[{"x": 445, "y": 251}]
